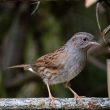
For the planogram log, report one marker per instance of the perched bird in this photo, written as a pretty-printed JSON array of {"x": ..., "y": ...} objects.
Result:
[{"x": 65, "y": 63}]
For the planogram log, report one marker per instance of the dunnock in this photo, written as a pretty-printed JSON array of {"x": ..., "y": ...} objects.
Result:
[{"x": 65, "y": 63}]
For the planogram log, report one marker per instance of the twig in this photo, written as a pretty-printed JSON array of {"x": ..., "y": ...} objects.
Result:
[
  {"x": 38, "y": 2},
  {"x": 106, "y": 30},
  {"x": 59, "y": 103},
  {"x": 97, "y": 16}
]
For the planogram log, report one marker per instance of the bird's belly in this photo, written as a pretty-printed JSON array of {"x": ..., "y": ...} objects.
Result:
[{"x": 68, "y": 73}]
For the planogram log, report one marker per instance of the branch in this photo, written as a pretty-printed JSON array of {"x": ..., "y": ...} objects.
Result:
[{"x": 59, "y": 103}]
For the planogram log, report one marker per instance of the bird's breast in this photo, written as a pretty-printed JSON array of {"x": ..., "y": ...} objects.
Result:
[{"x": 74, "y": 65}]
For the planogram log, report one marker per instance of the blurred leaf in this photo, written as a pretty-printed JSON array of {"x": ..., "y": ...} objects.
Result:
[{"x": 28, "y": 90}]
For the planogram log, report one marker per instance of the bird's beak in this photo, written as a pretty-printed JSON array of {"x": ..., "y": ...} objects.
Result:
[{"x": 94, "y": 43}]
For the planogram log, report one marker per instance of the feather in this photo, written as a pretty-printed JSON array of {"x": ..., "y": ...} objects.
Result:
[{"x": 19, "y": 66}]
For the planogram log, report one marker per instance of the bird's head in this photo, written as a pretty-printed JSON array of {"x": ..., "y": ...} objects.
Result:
[{"x": 82, "y": 40}]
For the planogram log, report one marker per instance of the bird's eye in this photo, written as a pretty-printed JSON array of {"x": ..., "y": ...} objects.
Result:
[{"x": 85, "y": 39}]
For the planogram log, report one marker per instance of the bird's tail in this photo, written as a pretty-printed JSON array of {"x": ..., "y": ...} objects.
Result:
[{"x": 25, "y": 66}]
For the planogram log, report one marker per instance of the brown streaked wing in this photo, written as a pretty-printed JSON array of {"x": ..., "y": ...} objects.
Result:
[
  {"x": 51, "y": 60},
  {"x": 47, "y": 60}
]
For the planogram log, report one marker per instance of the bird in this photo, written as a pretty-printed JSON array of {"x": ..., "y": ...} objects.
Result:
[{"x": 64, "y": 64}]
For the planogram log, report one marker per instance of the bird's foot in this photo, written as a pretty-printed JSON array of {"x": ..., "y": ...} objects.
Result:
[
  {"x": 76, "y": 96},
  {"x": 52, "y": 100}
]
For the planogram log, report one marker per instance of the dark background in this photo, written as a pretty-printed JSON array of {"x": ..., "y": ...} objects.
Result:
[{"x": 25, "y": 37}]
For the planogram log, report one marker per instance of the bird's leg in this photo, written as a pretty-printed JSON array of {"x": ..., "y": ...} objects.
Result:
[
  {"x": 75, "y": 94},
  {"x": 67, "y": 85},
  {"x": 50, "y": 95}
]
